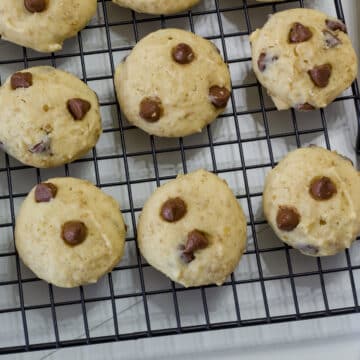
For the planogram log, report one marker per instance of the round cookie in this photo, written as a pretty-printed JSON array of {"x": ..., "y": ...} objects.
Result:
[
  {"x": 157, "y": 7},
  {"x": 303, "y": 58},
  {"x": 191, "y": 233},
  {"x": 69, "y": 232},
  {"x": 48, "y": 117},
  {"x": 43, "y": 25},
  {"x": 312, "y": 201},
  {"x": 173, "y": 83}
]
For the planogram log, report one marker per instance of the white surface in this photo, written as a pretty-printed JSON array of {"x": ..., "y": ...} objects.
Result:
[
  {"x": 309, "y": 339},
  {"x": 328, "y": 339}
]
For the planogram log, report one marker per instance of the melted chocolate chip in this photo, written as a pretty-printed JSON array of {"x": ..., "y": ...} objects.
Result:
[
  {"x": 322, "y": 188},
  {"x": 151, "y": 109},
  {"x": 320, "y": 75},
  {"x": 21, "y": 80},
  {"x": 74, "y": 232},
  {"x": 196, "y": 240},
  {"x": 42, "y": 147},
  {"x": 35, "y": 5},
  {"x": 261, "y": 62},
  {"x": 331, "y": 40},
  {"x": 264, "y": 60},
  {"x": 287, "y": 218},
  {"x": 219, "y": 96},
  {"x": 183, "y": 54},
  {"x": 173, "y": 209},
  {"x": 78, "y": 108},
  {"x": 299, "y": 33},
  {"x": 44, "y": 192},
  {"x": 187, "y": 258},
  {"x": 336, "y": 25},
  {"x": 305, "y": 107}
]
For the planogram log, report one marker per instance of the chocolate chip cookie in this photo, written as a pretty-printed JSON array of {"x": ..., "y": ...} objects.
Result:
[
  {"x": 173, "y": 83},
  {"x": 192, "y": 233},
  {"x": 43, "y": 25},
  {"x": 69, "y": 233},
  {"x": 312, "y": 201},
  {"x": 303, "y": 58},
  {"x": 157, "y": 7},
  {"x": 48, "y": 117}
]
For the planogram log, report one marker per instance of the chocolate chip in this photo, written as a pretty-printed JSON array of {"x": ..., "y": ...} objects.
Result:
[
  {"x": 35, "y": 5},
  {"x": 308, "y": 249},
  {"x": 264, "y": 60},
  {"x": 151, "y": 109},
  {"x": 261, "y": 62},
  {"x": 322, "y": 188},
  {"x": 331, "y": 40},
  {"x": 183, "y": 54},
  {"x": 219, "y": 96},
  {"x": 21, "y": 80},
  {"x": 196, "y": 240},
  {"x": 336, "y": 25},
  {"x": 44, "y": 192},
  {"x": 299, "y": 33},
  {"x": 42, "y": 147},
  {"x": 320, "y": 75},
  {"x": 78, "y": 108},
  {"x": 304, "y": 107},
  {"x": 287, "y": 218},
  {"x": 187, "y": 258},
  {"x": 74, "y": 232},
  {"x": 173, "y": 209}
]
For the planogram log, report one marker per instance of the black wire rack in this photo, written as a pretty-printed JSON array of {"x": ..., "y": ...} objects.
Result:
[{"x": 24, "y": 297}]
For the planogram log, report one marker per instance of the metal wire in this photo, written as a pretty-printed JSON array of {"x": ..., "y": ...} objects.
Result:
[{"x": 121, "y": 129}]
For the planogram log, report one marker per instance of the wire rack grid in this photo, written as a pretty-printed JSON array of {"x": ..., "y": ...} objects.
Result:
[{"x": 273, "y": 283}]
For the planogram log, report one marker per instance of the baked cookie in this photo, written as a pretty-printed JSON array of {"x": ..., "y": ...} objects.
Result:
[
  {"x": 69, "y": 233},
  {"x": 48, "y": 117},
  {"x": 173, "y": 83},
  {"x": 157, "y": 7},
  {"x": 192, "y": 233},
  {"x": 303, "y": 58},
  {"x": 312, "y": 201},
  {"x": 43, "y": 25}
]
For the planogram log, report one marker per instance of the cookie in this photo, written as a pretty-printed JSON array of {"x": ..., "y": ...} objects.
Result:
[
  {"x": 173, "y": 83},
  {"x": 69, "y": 233},
  {"x": 303, "y": 58},
  {"x": 157, "y": 7},
  {"x": 312, "y": 201},
  {"x": 47, "y": 117},
  {"x": 43, "y": 25},
  {"x": 191, "y": 233}
]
